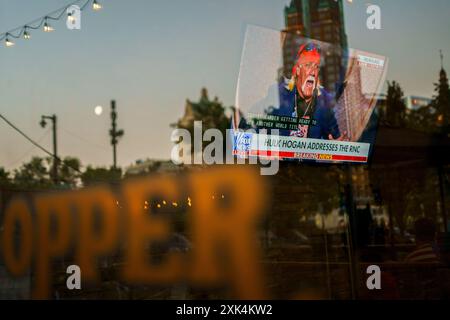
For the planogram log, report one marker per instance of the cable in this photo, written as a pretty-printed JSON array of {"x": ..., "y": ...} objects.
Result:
[
  {"x": 84, "y": 139},
  {"x": 25, "y": 136},
  {"x": 14, "y": 162},
  {"x": 37, "y": 144}
]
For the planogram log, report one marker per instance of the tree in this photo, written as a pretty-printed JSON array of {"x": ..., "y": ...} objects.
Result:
[
  {"x": 441, "y": 102},
  {"x": 92, "y": 176},
  {"x": 422, "y": 119},
  {"x": 5, "y": 179},
  {"x": 37, "y": 174},
  {"x": 34, "y": 175},
  {"x": 210, "y": 112},
  {"x": 395, "y": 105},
  {"x": 69, "y": 173}
]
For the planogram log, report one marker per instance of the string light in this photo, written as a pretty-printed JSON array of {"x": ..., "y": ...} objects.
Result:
[
  {"x": 70, "y": 17},
  {"x": 96, "y": 5},
  {"x": 43, "y": 22},
  {"x": 26, "y": 34},
  {"x": 8, "y": 42},
  {"x": 48, "y": 27}
]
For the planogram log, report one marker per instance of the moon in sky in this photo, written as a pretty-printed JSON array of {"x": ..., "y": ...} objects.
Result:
[{"x": 98, "y": 110}]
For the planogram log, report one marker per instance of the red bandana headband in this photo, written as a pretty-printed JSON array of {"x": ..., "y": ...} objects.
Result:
[{"x": 307, "y": 53}]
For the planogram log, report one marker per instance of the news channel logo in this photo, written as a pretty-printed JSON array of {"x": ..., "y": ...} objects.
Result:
[{"x": 243, "y": 142}]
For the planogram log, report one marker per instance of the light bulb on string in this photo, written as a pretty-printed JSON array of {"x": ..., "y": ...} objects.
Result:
[
  {"x": 96, "y": 5},
  {"x": 70, "y": 17},
  {"x": 48, "y": 27},
  {"x": 8, "y": 42},
  {"x": 26, "y": 34}
]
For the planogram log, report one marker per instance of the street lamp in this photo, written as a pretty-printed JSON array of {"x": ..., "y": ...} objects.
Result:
[{"x": 43, "y": 124}]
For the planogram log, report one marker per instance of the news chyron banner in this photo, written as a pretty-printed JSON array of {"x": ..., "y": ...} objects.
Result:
[
  {"x": 302, "y": 99},
  {"x": 282, "y": 147}
]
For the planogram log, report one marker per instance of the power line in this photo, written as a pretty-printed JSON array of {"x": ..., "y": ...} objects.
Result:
[
  {"x": 84, "y": 139},
  {"x": 18, "y": 159},
  {"x": 36, "y": 144},
  {"x": 25, "y": 135}
]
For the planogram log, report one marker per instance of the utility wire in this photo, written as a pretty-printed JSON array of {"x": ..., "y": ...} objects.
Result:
[
  {"x": 85, "y": 140},
  {"x": 25, "y": 154},
  {"x": 37, "y": 144}
]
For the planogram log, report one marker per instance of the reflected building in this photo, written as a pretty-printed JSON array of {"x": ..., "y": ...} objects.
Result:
[
  {"x": 321, "y": 20},
  {"x": 415, "y": 103}
]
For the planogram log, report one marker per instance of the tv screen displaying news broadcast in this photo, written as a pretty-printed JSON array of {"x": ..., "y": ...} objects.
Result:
[
  {"x": 224, "y": 158},
  {"x": 301, "y": 99}
]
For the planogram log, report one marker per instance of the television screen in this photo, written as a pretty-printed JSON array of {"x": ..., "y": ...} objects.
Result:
[{"x": 302, "y": 99}]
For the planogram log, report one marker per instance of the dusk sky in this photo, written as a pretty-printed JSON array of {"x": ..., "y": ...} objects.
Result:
[{"x": 150, "y": 56}]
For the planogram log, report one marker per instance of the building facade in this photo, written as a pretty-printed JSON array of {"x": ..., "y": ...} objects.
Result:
[
  {"x": 415, "y": 102},
  {"x": 321, "y": 20}
]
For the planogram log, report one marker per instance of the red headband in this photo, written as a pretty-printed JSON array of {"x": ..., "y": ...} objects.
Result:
[{"x": 304, "y": 56}]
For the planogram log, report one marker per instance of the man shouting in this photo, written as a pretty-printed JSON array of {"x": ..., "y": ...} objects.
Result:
[{"x": 307, "y": 100}]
